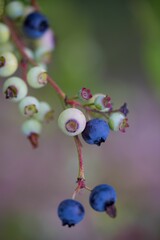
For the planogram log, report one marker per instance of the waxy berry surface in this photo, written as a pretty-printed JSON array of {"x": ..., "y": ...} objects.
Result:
[
  {"x": 70, "y": 212},
  {"x": 101, "y": 197},
  {"x": 35, "y": 25},
  {"x": 96, "y": 131}
]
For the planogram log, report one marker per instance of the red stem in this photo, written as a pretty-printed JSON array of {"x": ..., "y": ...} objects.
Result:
[{"x": 81, "y": 177}]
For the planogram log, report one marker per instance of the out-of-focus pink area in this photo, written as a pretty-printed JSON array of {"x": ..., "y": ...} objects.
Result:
[{"x": 33, "y": 182}]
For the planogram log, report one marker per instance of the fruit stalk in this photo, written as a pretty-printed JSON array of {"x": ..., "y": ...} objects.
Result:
[{"x": 81, "y": 177}]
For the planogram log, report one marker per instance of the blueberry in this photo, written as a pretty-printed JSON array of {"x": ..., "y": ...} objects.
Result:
[
  {"x": 35, "y": 25},
  {"x": 96, "y": 131},
  {"x": 103, "y": 198},
  {"x": 70, "y": 212}
]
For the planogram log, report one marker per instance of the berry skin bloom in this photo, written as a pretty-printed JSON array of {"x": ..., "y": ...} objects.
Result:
[
  {"x": 96, "y": 131},
  {"x": 72, "y": 121},
  {"x": 103, "y": 198},
  {"x": 37, "y": 77},
  {"x": 35, "y": 25},
  {"x": 15, "y": 89},
  {"x": 70, "y": 212},
  {"x": 8, "y": 64}
]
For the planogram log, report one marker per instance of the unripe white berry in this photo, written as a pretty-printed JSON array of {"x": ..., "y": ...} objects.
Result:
[
  {"x": 31, "y": 126},
  {"x": 72, "y": 121},
  {"x": 14, "y": 9},
  {"x": 37, "y": 77},
  {"x": 4, "y": 33},
  {"x": 102, "y": 103},
  {"x": 45, "y": 112},
  {"x": 92, "y": 99},
  {"x": 115, "y": 120},
  {"x": 8, "y": 64},
  {"x": 15, "y": 89},
  {"x": 28, "y": 106}
]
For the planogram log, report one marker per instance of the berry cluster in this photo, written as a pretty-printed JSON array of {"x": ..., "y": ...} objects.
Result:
[
  {"x": 102, "y": 199},
  {"x": 26, "y": 43},
  {"x": 34, "y": 30}
]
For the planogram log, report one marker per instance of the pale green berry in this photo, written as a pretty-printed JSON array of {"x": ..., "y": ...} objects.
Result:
[
  {"x": 4, "y": 33},
  {"x": 92, "y": 99},
  {"x": 31, "y": 129},
  {"x": 14, "y": 9},
  {"x": 72, "y": 121},
  {"x": 29, "y": 106},
  {"x": 115, "y": 120},
  {"x": 37, "y": 77},
  {"x": 102, "y": 103},
  {"x": 15, "y": 89},
  {"x": 31, "y": 126},
  {"x": 8, "y": 64},
  {"x": 45, "y": 112}
]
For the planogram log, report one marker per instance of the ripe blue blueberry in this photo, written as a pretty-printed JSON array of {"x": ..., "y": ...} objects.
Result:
[
  {"x": 35, "y": 25},
  {"x": 70, "y": 212},
  {"x": 103, "y": 198},
  {"x": 96, "y": 131}
]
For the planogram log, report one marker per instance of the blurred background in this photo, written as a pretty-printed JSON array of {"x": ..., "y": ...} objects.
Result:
[{"x": 111, "y": 47}]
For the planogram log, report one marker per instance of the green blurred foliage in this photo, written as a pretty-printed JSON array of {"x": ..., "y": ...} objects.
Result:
[
  {"x": 18, "y": 227},
  {"x": 147, "y": 15}
]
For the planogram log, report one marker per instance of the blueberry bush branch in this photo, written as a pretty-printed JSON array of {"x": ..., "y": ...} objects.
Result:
[
  {"x": 27, "y": 42},
  {"x": 21, "y": 48}
]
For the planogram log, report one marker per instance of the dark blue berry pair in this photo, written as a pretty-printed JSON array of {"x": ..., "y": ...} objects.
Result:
[
  {"x": 70, "y": 212},
  {"x": 103, "y": 198},
  {"x": 35, "y": 25},
  {"x": 96, "y": 131}
]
